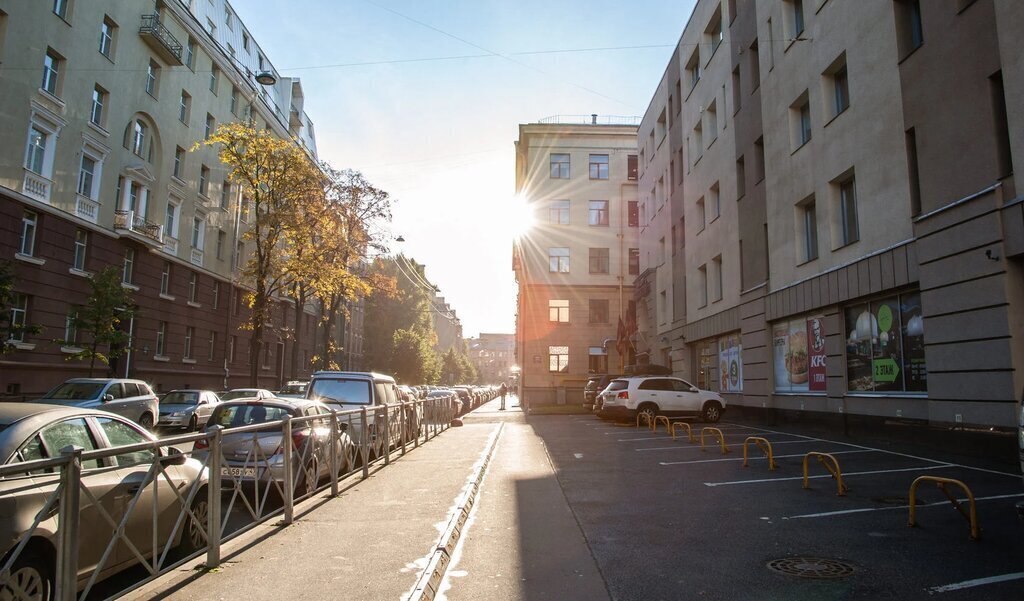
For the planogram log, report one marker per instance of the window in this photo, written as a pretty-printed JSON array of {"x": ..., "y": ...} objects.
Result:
[
  {"x": 701, "y": 214},
  {"x": 634, "y": 261},
  {"x": 599, "y": 260},
  {"x": 138, "y": 142},
  {"x": 682, "y": 232},
  {"x": 60, "y": 8},
  {"x": 702, "y": 283},
  {"x": 198, "y": 231},
  {"x": 558, "y": 311},
  {"x": 559, "y": 166},
  {"x": 214, "y": 79},
  {"x": 759, "y": 172},
  {"x": 212, "y": 28},
  {"x": 849, "y": 229},
  {"x": 165, "y": 279},
  {"x": 212, "y": 345},
  {"x": 598, "y": 310},
  {"x": 210, "y": 124},
  {"x": 631, "y": 167},
  {"x": 1000, "y": 125},
  {"x": 19, "y": 317},
  {"x": 190, "y": 333},
  {"x": 216, "y": 295},
  {"x": 121, "y": 434},
  {"x": 184, "y": 107},
  {"x": 633, "y": 213},
  {"x": 171, "y": 220},
  {"x": 29, "y": 224},
  {"x": 234, "y": 100},
  {"x": 693, "y": 68},
  {"x": 598, "y": 166},
  {"x": 558, "y": 260},
  {"x": 713, "y": 33},
  {"x": 204, "y": 180},
  {"x": 52, "y": 63},
  {"x": 598, "y": 213},
  {"x": 71, "y": 328},
  {"x": 86, "y": 172},
  {"x": 229, "y": 18},
  {"x": 717, "y": 277},
  {"x": 99, "y": 98},
  {"x": 885, "y": 346},
  {"x": 800, "y": 113},
  {"x": 741, "y": 178},
  {"x": 152, "y": 78},
  {"x": 909, "y": 30},
  {"x": 221, "y": 240},
  {"x": 107, "y": 31},
  {"x": 737, "y": 90},
  {"x": 841, "y": 90},
  {"x": 161, "y": 337},
  {"x": 128, "y": 266},
  {"x": 698, "y": 142},
  {"x": 193, "y": 284},
  {"x": 81, "y": 244},
  {"x": 711, "y": 114},
  {"x": 796, "y": 8},
  {"x": 913, "y": 174},
  {"x": 771, "y": 45},
  {"x": 809, "y": 223},
  {"x": 715, "y": 202},
  {"x": 190, "y": 53},
  {"x": 559, "y": 212},
  {"x": 179, "y": 158},
  {"x": 558, "y": 359},
  {"x": 245, "y": 41}
]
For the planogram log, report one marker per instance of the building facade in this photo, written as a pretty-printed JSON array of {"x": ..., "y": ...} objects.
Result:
[
  {"x": 847, "y": 237},
  {"x": 575, "y": 266},
  {"x": 105, "y": 106},
  {"x": 493, "y": 355}
]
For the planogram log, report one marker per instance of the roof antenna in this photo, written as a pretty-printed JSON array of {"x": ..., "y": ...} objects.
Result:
[{"x": 593, "y": 118}]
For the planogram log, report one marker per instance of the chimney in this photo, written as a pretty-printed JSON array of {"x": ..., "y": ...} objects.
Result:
[{"x": 593, "y": 118}]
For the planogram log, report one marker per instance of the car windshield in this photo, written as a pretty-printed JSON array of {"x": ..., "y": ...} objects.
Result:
[
  {"x": 618, "y": 385},
  {"x": 180, "y": 397},
  {"x": 340, "y": 390},
  {"x": 237, "y": 394},
  {"x": 75, "y": 391},
  {"x": 233, "y": 416},
  {"x": 294, "y": 388}
]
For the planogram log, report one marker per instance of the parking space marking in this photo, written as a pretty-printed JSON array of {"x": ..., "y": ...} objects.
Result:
[
  {"x": 648, "y": 438},
  {"x": 857, "y": 446},
  {"x": 774, "y": 442},
  {"x": 845, "y": 474},
  {"x": 976, "y": 582},
  {"x": 741, "y": 459},
  {"x": 828, "y": 514}
]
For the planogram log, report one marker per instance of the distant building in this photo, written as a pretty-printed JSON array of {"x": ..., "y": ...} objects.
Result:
[
  {"x": 447, "y": 326},
  {"x": 493, "y": 355},
  {"x": 576, "y": 265}
]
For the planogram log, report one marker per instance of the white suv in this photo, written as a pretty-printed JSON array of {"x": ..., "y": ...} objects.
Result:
[{"x": 659, "y": 395}]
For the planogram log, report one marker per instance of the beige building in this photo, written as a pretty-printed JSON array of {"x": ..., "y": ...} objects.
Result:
[
  {"x": 104, "y": 107},
  {"x": 493, "y": 355},
  {"x": 841, "y": 219},
  {"x": 576, "y": 264}
]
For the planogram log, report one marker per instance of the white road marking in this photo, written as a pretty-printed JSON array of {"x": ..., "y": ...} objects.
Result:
[
  {"x": 976, "y": 582},
  {"x": 761, "y": 458},
  {"x": 648, "y": 438},
  {"x": 578, "y": 455},
  {"x": 827, "y": 514},
  {"x": 676, "y": 448},
  {"x": 846, "y": 475}
]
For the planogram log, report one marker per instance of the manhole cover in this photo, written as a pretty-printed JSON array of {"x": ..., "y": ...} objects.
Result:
[{"x": 811, "y": 567}]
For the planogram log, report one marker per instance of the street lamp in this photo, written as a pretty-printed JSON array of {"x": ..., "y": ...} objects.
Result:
[{"x": 265, "y": 78}]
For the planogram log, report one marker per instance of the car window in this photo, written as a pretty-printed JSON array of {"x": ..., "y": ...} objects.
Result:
[
  {"x": 618, "y": 385},
  {"x": 131, "y": 389},
  {"x": 146, "y": 390},
  {"x": 180, "y": 397},
  {"x": 382, "y": 395},
  {"x": 70, "y": 432},
  {"x": 75, "y": 391},
  {"x": 116, "y": 389},
  {"x": 655, "y": 384},
  {"x": 31, "y": 451},
  {"x": 340, "y": 390},
  {"x": 120, "y": 434},
  {"x": 233, "y": 416},
  {"x": 681, "y": 385}
]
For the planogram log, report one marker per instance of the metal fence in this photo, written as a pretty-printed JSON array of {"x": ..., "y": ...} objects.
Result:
[{"x": 157, "y": 505}]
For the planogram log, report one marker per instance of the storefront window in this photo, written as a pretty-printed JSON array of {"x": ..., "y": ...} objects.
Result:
[
  {"x": 885, "y": 346},
  {"x": 798, "y": 355},
  {"x": 730, "y": 363}
]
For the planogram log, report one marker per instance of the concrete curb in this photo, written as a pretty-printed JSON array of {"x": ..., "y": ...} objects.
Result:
[{"x": 429, "y": 583}]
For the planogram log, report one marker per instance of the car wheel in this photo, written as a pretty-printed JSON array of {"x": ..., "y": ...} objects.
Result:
[
  {"x": 648, "y": 409},
  {"x": 146, "y": 421},
  {"x": 712, "y": 412},
  {"x": 193, "y": 424},
  {"x": 194, "y": 536},
  {"x": 31, "y": 578}
]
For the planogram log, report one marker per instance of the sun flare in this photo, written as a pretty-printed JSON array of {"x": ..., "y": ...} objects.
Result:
[{"x": 519, "y": 217}]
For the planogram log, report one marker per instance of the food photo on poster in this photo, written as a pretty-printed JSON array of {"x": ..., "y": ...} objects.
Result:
[
  {"x": 798, "y": 352},
  {"x": 885, "y": 346}
]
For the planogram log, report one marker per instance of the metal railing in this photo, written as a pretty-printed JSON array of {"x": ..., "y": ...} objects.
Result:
[
  {"x": 132, "y": 221},
  {"x": 173, "y": 504},
  {"x": 152, "y": 26},
  {"x": 591, "y": 119}
]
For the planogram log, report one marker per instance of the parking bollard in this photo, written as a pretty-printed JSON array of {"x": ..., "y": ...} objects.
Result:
[
  {"x": 289, "y": 478},
  {"x": 335, "y": 447},
  {"x": 364, "y": 442},
  {"x": 213, "y": 488},
  {"x": 67, "y": 518}
]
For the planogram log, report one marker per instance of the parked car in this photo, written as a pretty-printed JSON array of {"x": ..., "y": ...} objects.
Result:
[
  {"x": 188, "y": 409},
  {"x": 294, "y": 389},
  {"x": 595, "y": 384},
  {"x": 450, "y": 395},
  {"x": 30, "y": 431},
  {"x": 466, "y": 396},
  {"x": 311, "y": 448},
  {"x": 659, "y": 395},
  {"x": 247, "y": 393},
  {"x": 133, "y": 399},
  {"x": 347, "y": 390},
  {"x": 407, "y": 393}
]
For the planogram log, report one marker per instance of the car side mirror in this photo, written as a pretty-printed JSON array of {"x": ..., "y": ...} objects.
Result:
[
  {"x": 107, "y": 398},
  {"x": 175, "y": 456},
  {"x": 343, "y": 426},
  {"x": 694, "y": 389}
]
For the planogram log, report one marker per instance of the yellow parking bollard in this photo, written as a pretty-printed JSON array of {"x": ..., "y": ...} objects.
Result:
[
  {"x": 971, "y": 515},
  {"x": 833, "y": 468},
  {"x": 689, "y": 430},
  {"x": 661, "y": 418},
  {"x": 643, "y": 417},
  {"x": 717, "y": 432},
  {"x": 764, "y": 445}
]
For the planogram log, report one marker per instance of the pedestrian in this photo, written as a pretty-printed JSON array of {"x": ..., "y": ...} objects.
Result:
[{"x": 504, "y": 391}]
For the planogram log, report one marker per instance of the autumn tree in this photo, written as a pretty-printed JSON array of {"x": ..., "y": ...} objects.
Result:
[
  {"x": 277, "y": 177},
  {"x": 412, "y": 359},
  {"x": 408, "y": 308},
  {"x": 99, "y": 321}
]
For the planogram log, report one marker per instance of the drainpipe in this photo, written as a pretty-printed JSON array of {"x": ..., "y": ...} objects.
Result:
[{"x": 128, "y": 355}]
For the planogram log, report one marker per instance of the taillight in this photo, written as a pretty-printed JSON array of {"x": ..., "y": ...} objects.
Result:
[
  {"x": 299, "y": 437},
  {"x": 201, "y": 444},
  {"x": 623, "y": 395}
]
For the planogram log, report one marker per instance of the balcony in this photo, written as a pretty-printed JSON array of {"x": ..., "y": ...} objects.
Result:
[
  {"x": 197, "y": 257},
  {"x": 161, "y": 40},
  {"x": 36, "y": 186},
  {"x": 171, "y": 245},
  {"x": 128, "y": 223},
  {"x": 87, "y": 208}
]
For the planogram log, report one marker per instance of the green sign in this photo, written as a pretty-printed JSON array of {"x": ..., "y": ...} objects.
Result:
[
  {"x": 885, "y": 370},
  {"x": 884, "y": 318}
]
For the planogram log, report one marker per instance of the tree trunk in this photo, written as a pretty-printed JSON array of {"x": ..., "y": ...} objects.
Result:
[
  {"x": 258, "y": 317},
  {"x": 300, "y": 303}
]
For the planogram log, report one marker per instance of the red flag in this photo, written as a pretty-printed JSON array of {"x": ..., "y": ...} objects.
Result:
[{"x": 621, "y": 342}]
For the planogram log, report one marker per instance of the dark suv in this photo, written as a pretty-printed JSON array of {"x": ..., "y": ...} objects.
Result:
[{"x": 596, "y": 384}]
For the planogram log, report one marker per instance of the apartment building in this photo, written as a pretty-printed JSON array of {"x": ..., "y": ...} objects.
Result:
[
  {"x": 493, "y": 355},
  {"x": 447, "y": 326},
  {"x": 844, "y": 225},
  {"x": 104, "y": 106},
  {"x": 576, "y": 265}
]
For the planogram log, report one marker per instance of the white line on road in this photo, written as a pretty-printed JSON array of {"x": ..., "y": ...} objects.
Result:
[
  {"x": 827, "y": 514},
  {"x": 578, "y": 455},
  {"x": 752, "y": 458},
  {"x": 648, "y": 438},
  {"x": 906, "y": 469},
  {"x": 976, "y": 582},
  {"x": 676, "y": 448}
]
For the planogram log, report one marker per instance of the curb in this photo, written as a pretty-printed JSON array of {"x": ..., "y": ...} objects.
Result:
[{"x": 429, "y": 583}]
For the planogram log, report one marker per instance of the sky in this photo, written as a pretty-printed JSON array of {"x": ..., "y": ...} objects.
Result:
[{"x": 439, "y": 135}]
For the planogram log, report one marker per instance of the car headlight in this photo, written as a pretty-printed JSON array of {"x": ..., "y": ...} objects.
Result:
[{"x": 177, "y": 414}]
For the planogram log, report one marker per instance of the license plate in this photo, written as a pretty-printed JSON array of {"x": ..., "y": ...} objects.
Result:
[{"x": 244, "y": 472}]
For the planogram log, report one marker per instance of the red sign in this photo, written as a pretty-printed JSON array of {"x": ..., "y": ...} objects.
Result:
[{"x": 816, "y": 355}]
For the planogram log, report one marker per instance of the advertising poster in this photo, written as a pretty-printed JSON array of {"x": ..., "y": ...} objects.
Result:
[
  {"x": 798, "y": 355},
  {"x": 730, "y": 364},
  {"x": 780, "y": 346},
  {"x": 816, "y": 355}
]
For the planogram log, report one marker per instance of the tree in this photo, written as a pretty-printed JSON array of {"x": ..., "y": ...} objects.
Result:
[
  {"x": 99, "y": 319},
  {"x": 9, "y": 329},
  {"x": 413, "y": 360},
  {"x": 408, "y": 308},
  {"x": 450, "y": 369},
  {"x": 278, "y": 177}
]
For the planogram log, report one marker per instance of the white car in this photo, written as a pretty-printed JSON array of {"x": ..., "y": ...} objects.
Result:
[{"x": 659, "y": 395}]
